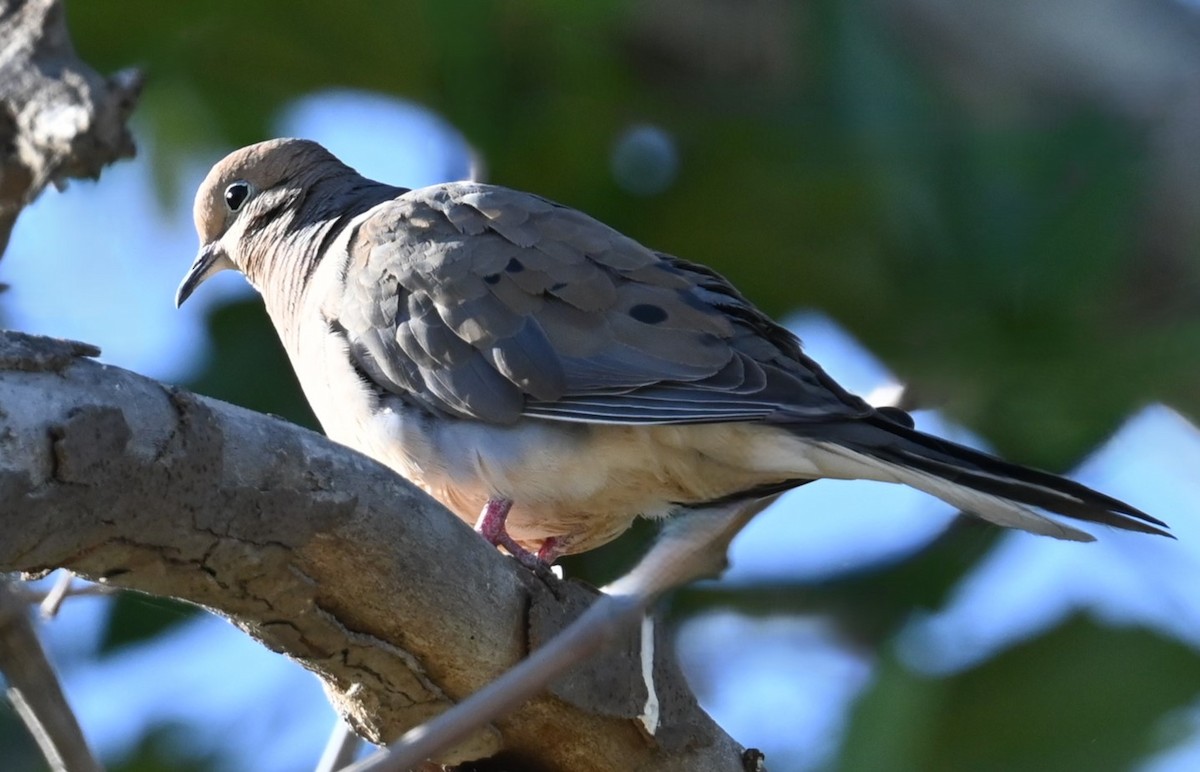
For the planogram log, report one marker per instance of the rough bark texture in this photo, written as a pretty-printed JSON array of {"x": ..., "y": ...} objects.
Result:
[
  {"x": 58, "y": 118},
  {"x": 319, "y": 553}
]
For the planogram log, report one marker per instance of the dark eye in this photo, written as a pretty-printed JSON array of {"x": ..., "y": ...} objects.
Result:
[{"x": 236, "y": 195}]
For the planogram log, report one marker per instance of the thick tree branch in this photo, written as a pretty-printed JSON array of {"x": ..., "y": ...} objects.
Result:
[
  {"x": 689, "y": 548},
  {"x": 317, "y": 552},
  {"x": 58, "y": 117}
]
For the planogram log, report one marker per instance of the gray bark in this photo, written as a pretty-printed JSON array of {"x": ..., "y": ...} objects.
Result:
[
  {"x": 58, "y": 117},
  {"x": 317, "y": 552}
]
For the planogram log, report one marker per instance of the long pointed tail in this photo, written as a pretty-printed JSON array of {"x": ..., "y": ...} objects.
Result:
[{"x": 981, "y": 484}]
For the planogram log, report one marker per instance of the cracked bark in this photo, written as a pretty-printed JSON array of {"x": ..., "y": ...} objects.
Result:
[{"x": 317, "y": 552}]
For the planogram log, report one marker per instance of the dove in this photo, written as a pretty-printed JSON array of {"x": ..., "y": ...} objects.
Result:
[{"x": 549, "y": 379}]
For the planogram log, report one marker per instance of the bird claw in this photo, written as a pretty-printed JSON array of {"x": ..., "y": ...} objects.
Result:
[{"x": 491, "y": 526}]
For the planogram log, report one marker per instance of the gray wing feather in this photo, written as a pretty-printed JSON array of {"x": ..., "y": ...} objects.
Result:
[{"x": 487, "y": 303}]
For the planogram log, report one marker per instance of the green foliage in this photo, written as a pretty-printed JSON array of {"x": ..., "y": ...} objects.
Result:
[
  {"x": 166, "y": 748},
  {"x": 1081, "y": 697},
  {"x": 136, "y": 618}
]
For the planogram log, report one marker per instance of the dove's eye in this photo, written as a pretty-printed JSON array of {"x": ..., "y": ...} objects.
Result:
[{"x": 236, "y": 195}]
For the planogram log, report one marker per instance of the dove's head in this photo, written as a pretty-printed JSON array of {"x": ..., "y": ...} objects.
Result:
[{"x": 247, "y": 203}]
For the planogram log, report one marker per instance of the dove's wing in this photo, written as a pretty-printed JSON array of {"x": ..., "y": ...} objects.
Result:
[{"x": 488, "y": 303}]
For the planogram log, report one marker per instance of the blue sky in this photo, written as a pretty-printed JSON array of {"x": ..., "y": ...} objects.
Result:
[{"x": 100, "y": 262}]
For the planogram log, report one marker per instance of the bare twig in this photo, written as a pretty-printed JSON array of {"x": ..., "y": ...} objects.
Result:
[
  {"x": 340, "y": 750},
  {"x": 34, "y": 690},
  {"x": 57, "y": 594},
  {"x": 75, "y": 590}
]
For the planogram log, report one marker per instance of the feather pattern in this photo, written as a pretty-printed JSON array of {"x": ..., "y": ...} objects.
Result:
[{"x": 579, "y": 322}]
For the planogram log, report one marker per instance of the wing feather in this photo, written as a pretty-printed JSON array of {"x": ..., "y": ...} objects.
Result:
[{"x": 487, "y": 303}]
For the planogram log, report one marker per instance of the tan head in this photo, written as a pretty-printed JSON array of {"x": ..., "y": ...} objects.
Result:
[{"x": 246, "y": 193}]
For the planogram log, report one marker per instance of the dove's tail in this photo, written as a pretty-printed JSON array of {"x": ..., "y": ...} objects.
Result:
[{"x": 981, "y": 484}]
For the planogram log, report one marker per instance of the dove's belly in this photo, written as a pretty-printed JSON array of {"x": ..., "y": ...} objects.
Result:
[{"x": 583, "y": 484}]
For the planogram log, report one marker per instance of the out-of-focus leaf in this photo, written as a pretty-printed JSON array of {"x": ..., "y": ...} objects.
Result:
[
  {"x": 135, "y": 618},
  {"x": 167, "y": 748},
  {"x": 1082, "y": 697}
]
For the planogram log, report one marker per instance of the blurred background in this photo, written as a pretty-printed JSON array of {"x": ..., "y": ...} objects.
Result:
[{"x": 995, "y": 204}]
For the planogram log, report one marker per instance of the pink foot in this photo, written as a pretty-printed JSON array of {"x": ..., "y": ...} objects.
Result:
[
  {"x": 491, "y": 527},
  {"x": 551, "y": 550}
]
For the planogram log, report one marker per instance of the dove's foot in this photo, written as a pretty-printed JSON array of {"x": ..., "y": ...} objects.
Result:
[
  {"x": 551, "y": 550},
  {"x": 491, "y": 527}
]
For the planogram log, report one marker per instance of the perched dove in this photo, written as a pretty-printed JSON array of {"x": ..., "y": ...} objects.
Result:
[{"x": 549, "y": 379}]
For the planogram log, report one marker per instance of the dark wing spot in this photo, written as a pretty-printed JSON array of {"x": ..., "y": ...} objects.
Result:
[
  {"x": 514, "y": 266},
  {"x": 491, "y": 278},
  {"x": 647, "y": 313}
]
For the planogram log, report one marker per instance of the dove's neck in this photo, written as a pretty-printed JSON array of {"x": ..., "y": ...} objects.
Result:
[{"x": 312, "y": 225}]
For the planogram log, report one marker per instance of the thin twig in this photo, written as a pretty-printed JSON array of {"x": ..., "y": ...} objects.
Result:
[
  {"x": 340, "y": 749},
  {"x": 57, "y": 594},
  {"x": 76, "y": 590},
  {"x": 35, "y": 692}
]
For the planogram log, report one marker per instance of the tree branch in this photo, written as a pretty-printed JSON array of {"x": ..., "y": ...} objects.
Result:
[
  {"x": 319, "y": 553},
  {"x": 58, "y": 117}
]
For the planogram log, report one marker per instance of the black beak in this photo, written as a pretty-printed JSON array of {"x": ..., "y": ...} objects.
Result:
[{"x": 209, "y": 261}]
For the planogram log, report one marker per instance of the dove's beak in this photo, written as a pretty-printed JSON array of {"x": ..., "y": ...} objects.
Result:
[{"x": 210, "y": 260}]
